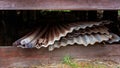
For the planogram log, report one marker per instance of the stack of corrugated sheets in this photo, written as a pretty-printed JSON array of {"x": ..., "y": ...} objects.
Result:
[{"x": 60, "y": 34}]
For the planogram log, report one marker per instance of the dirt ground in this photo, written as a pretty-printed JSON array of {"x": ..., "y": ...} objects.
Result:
[{"x": 77, "y": 63}]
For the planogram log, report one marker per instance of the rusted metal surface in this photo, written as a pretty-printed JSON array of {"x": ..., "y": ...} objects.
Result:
[
  {"x": 47, "y": 34},
  {"x": 59, "y": 4},
  {"x": 63, "y": 34},
  {"x": 81, "y": 40},
  {"x": 10, "y": 56},
  {"x": 86, "y": 39}
]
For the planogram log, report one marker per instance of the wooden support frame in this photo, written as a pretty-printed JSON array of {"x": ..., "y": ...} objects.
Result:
[{"x": 11, "y": 55}]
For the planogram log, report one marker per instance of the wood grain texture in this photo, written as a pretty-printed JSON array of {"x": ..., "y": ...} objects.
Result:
[
  {"x": 59, "y": 4},
  {"x": 10, "y": 56}
]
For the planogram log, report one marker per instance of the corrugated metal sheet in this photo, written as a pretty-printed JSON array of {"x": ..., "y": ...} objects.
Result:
[
  {"x": 115, "y": 38},
  {"x": 85, "y": 40},
  {"x": 49, "y": 34},
  {"x": 81, "y": 40},
  {"x": 83, "y": 25},
  {"x": 97, "y": 29}
]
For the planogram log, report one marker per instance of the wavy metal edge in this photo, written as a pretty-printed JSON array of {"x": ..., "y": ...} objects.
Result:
[
  {"x": 62, "y": 35},
  {"x": 82, "y": 40}
]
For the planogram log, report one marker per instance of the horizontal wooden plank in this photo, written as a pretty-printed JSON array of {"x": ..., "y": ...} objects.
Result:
[
  {"x": 59, "y": 4},
  {"x": 10, "y": 56}
]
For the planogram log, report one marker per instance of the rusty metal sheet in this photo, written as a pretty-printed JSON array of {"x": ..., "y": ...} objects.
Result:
[
  {"x": 85, "y": 39},
  {"x": 59, "y": 4},
  {"x": 80, "y": 40},
  {"x": 46, "y": 35},
  {"x": 95, "y": 29}
]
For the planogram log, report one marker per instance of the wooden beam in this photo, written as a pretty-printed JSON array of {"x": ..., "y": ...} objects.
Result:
[
  {"x": 59, "y": 4},
  {"x": 9, "y": 56}
]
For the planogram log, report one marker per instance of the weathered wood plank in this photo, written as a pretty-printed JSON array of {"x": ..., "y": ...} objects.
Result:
[
  {"x": 10, "y": 56},
  {"x": 59, "y": 4}
]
